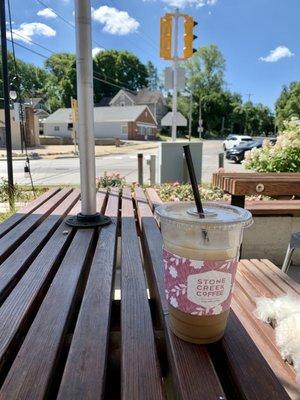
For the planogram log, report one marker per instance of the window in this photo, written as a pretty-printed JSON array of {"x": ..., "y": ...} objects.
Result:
[
  {"x": 70, "y": 126},
  {"x": 122, "y": 104},
  {"x": 144, "y": 130},
  {"x": 56, "y": 128},
  {"x": 124, "y": 130}
]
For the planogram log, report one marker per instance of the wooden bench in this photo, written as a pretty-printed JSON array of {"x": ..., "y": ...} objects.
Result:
[
  {"x": 64, "y": 335},
  {"x": 240, "y": 185}
]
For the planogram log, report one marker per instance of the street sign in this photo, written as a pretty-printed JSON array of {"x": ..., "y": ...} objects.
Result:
[
  {"x": 169, "y": 78},
  {"x": 180, "y": 120}
]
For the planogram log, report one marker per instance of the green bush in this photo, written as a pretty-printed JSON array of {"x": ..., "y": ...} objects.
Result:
[
  {"x": 113, "y": 180},
  {"x": 283, "y": 157},
  {"x": 4, "y": 191},
  {"x": 177, "y": 192}
]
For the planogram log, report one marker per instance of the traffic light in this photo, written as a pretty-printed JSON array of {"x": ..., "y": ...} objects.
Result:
[
  {"x": 189, "y": 36},
  {"x": 166, "y": 23}
]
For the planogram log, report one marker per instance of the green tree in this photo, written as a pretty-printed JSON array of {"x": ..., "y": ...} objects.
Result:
[
  {"x": 118, "y": 69},
  {"x": 153, "y": 78},
  {"x": 30, "y": 78},
  {"x": 205, "y": 70},
  {"x": 288, "y": 104},
  {"x": 61, "y": 82},
  {"x": 205, "y": 79}
]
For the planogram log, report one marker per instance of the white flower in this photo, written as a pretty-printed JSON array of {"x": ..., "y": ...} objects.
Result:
[
  {"x": 173, "y": 272},
  {"x": 217, "y": 310},
  {"x": 174, "y": 302},
  {"x": 197, "y": 264}
]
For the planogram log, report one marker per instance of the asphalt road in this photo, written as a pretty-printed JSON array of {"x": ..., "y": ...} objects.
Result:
[{"x": 66, "y": 170}]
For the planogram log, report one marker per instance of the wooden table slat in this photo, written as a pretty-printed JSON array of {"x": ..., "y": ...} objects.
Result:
[
  {"x": 21, "y": 258},
  {"x": 262, "y": 334},
  {"x": 280, "y": 277},
  {"x": 31, "y": 374},
  {"x": 86, "y": 364},
  {"x": 259, "y": 280},
  {"x": 153, "y": 198},
  {"x": 18, "y": 309},
  {"x": 140, "y": 372},
  {"x": 21, "y": 214},
  {"x": 245, "y": 370},
  {"x": 16, "y": 235}
]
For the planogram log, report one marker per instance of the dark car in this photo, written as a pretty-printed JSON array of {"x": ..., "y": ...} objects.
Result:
[{"x": 237, "y": 154}]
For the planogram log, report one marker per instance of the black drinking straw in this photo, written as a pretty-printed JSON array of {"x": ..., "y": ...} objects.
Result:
[{"x": 190, "y": 165}]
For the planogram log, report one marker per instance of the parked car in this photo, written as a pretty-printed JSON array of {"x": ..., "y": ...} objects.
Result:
[
  {"x": 235, "y": 140},
  {"x": 237, "y": 154}
]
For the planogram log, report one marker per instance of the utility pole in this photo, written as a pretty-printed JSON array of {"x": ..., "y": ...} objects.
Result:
[
  {"x": 190, "y": 116},
  {"x": 246, "y": 122},
  {"x": 200, "y": 122},
  {"x": 223, "y": 125},
  {"x": 175, "y": 72},
  {"x": 6, "y": 106},
  {"x": 249, "y": 96},
  {"x": 86, "y": 141}
]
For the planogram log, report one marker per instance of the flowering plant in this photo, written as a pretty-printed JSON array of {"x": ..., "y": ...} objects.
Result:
[
  {"x": 110, "y": 180},
  {"x": 284, "y": 156}
]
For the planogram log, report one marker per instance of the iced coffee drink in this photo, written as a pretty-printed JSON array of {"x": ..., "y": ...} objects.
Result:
[{"x": 200, "y": 261}]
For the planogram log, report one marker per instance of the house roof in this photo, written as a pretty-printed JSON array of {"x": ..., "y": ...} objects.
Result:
[
  {"x": 34, "y": 101},
  {"x": 146, "y": 96},
  {"x": 143, "y": 96},
  {"x": 104, "y": 102},
  {"x": 101, "y": 114}
]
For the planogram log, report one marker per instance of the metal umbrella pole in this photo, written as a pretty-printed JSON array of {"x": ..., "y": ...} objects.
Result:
[{"x": 88, "y": 217}]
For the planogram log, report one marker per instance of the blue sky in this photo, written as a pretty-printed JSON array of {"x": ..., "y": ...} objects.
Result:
[{"x": 258, "y": 38}]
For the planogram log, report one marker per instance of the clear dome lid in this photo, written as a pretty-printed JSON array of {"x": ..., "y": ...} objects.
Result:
[{"x": 215, "y": 214}]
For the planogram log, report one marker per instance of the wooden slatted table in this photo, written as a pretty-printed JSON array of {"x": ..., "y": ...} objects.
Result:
[
  {"x": 240, "y": 185},
  {"x": 64, "y": 334}
]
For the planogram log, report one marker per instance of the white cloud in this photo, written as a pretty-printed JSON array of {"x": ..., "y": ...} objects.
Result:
[
  {"x": 277, "y": 54},
  {"x": 115, "y": 21},
  {"x": 47, "y": 13},
  {"x": 96, "y": 50},
  {"x": 26, "y": 30},
  {"x": 185, "y": 3}
]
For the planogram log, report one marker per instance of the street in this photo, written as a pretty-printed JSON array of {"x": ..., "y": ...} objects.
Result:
[{"x": 59, "y": 171}]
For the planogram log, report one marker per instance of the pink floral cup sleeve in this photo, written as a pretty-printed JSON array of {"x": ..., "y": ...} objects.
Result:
[{"x": 198, "y": 287}]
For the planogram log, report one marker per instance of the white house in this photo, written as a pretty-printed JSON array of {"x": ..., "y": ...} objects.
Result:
[
  {"x": 153, "y": 99},
  {"x": 133, "y": 122}
]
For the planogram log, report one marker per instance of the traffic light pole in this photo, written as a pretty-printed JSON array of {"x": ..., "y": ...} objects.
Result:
[{"x": 175, "y": 80}]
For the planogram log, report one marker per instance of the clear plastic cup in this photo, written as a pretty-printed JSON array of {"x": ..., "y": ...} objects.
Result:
[{"x": 200, "y": 261}]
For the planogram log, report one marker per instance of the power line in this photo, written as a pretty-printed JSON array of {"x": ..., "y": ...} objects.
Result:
[
  {"x": 143, "y": 33},
  {"x": 57, "y": 14},
  {"x": 95, "y": 77},
  {"x": 31, "y": 41},
  {"x": 112, "y": 81},
  {"x": 65, "y": 20},
  {"x": 26, "y": 48}
]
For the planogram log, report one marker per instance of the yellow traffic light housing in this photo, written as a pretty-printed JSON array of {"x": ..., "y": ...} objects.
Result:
[
  {"x": 189, "y": 36},
  {"x": 166, "y": 23}
]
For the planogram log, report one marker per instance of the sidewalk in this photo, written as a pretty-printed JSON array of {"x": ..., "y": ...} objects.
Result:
[{"x": 67, "y": 151}]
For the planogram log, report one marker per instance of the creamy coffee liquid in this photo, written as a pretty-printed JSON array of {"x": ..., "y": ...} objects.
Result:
[
  {"x": 200, "y": 260},
  {"x": 193, "y": 328}
]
